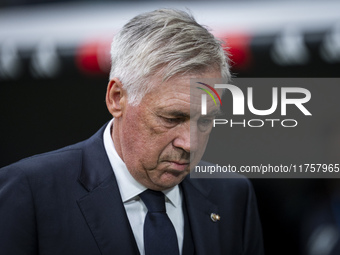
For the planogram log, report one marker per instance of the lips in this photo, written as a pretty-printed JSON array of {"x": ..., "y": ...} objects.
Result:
[
  {"x": 179, "y": 165},
  {"x": 180, "y": 162}
]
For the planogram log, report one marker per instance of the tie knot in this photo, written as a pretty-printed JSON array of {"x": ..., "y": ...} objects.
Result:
[{"x": 154, "y": 200}]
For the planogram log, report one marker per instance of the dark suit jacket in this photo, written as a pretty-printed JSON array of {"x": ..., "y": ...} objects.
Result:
[{"x": 67, "y": 202}]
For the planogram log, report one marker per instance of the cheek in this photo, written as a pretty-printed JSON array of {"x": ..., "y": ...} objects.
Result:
[
  {"x": 202, "y": 143},
  {"x": 143, "y": 142},
  {"x": 132, "y": 138}
]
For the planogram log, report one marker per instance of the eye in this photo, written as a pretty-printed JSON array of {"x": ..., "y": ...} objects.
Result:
[
  {"x": 172, "y": 121},
  {"x": 205, "y": 121},
  {"x": 204, "y": 124}
]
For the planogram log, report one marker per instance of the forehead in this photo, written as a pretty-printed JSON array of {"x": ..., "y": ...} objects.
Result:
[{"x": 181, "y": 91}]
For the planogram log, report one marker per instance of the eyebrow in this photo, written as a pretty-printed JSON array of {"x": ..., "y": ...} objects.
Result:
[
  {"x": 178, "y": 114},
  {"x": 215, "y": 112}
]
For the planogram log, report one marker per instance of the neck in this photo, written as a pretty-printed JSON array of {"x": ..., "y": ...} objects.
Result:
[{"x": 115, "y": 135}]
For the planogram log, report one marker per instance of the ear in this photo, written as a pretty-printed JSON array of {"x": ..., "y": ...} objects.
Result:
[{"x": 116, "y": 97}]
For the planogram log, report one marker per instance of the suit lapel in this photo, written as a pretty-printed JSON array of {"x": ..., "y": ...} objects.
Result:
[
  {"x": 205, "y": 232},
  {"x": 102, "y": 207}
]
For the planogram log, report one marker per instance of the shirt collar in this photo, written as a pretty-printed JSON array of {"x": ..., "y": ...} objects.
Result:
[
  {"x": 130, "y": 188},
  {"x": 173, "y": 196}
]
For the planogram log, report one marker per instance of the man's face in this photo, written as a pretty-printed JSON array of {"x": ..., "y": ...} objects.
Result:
[{"x": 165, "y": 134}]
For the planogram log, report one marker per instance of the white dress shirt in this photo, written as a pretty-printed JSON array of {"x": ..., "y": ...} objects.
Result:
[{"x": 135, "y": 208}]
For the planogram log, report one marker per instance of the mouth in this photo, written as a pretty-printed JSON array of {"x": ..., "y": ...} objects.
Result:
[{"x": 179, "y": 165}]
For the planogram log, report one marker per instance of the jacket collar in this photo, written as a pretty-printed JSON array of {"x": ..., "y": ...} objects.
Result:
[
  {"x": 102, "y": 207},
  {"x": 95, "y": 163}
]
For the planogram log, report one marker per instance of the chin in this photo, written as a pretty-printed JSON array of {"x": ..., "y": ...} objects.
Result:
[{"x": 169, "y": 180}]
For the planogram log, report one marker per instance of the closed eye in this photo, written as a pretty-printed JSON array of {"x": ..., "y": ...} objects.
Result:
[
  {"x": 205, "y": 124},
  {"x": 172, "y": 120}
]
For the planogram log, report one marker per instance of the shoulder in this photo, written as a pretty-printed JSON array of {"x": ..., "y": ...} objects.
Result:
[
  {"x": 64, "y": 158},
  {"x": 42, "y": 175},
  {"x": 54, "y": 162}
]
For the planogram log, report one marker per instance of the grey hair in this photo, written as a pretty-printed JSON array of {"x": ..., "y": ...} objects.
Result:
[{"x": 164, "y": 42}]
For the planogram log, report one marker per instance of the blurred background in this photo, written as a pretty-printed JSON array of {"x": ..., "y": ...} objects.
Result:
[{"x": 54, "y": 64}]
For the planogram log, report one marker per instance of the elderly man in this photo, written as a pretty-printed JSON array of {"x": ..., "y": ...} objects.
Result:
[{"x": 126, "y": 190}]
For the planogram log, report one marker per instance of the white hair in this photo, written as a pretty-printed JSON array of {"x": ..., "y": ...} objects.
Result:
[{"x": 164, "y": 42}]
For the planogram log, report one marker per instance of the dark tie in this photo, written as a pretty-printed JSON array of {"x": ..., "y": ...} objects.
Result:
[{"x": 159, "y": 234}]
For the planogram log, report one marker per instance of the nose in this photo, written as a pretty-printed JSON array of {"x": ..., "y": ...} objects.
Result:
[{"x": 187, "y": 137}]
